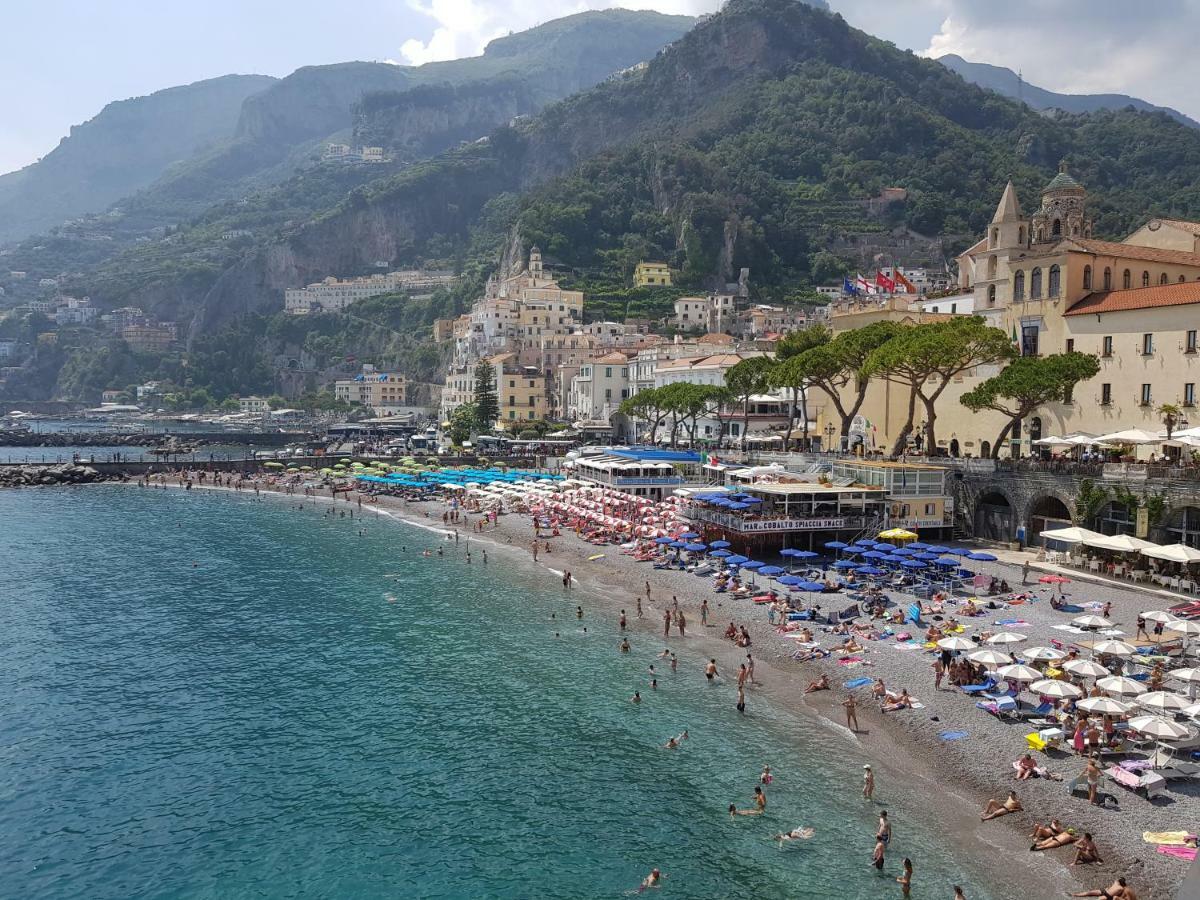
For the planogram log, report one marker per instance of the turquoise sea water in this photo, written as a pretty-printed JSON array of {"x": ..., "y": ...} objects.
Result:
[{"x": 284, "y": 720}]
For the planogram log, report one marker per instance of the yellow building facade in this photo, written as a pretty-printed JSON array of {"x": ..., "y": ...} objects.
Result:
[
  {"x": 1044, "y": 280},
  {"x": 652, "y": 274}
]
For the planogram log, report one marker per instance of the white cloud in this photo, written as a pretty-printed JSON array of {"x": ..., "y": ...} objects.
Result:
[{"x": 464, "y": 27}]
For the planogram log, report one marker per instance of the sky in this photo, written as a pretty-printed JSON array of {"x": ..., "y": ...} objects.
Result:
[{"x": 63, "y": 60}]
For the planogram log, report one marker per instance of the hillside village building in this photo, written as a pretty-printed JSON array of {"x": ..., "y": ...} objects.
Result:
[
  {"x": 334, "y": 294},
  {"x": 1045, "y": 280},
  {"x": 384, "y": 392},
  {"x": 652, "y": 274}
]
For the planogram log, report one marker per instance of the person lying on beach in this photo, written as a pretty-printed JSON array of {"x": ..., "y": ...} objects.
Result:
[
  {"x": 995, "y": 809},
  {"x": 796, "y": 834},
  {"x": 1049, "y": 830},
  {"x": 1118, "y": 890},
  {"x": 821, "y": 684},
  {"x": 903, "y": 701},
  {"x": 814, "y": 653},
  {"x": 1086, "y": 851},
  {"x": 850, "y": 645},
  {"x": 1062, "y": 839}
]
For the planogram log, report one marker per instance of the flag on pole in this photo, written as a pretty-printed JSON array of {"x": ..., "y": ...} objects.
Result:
[
  {"x": 864, "y": 286},
  {"x": 885, "y": 284},
  {"x": 901, "y": 281},
  {"x": 848, "y": 287}
]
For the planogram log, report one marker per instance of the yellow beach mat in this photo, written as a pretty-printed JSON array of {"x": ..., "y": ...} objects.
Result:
[
  {"x": 596, "y": 556},
  {"x": 1166, "y": 838}
]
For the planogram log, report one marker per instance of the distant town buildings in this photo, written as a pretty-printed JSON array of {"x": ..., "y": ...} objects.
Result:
[
  {"x": 156, "y": 338},
  {"x": 344, "y": 153},
  {"x": 652, "y": 274},
  {"x": 385, "y": 393},
  {"x": 335, "y": 294},
  {"x": 254, "y": 405}
]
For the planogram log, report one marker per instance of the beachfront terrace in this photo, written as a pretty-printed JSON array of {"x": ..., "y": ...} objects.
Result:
[{"x": 777, "y": 509}]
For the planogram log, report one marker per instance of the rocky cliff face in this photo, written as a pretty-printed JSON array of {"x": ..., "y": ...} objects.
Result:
[{"x": 125, "y": 147}]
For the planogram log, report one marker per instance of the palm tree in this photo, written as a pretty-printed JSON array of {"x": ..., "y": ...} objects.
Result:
[{"x": 1171, "y": 414}]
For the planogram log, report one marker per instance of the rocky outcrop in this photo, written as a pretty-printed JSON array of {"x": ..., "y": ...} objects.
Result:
[{"x": 31, "y": 476}]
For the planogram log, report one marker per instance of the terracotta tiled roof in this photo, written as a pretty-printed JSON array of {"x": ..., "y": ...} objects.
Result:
[
  {"x": 1180, "y": 294},
  {"x": 1190, "y": 227},
  {"x": 1129, "y": 251},
  {"x": 714, "y": 338}
]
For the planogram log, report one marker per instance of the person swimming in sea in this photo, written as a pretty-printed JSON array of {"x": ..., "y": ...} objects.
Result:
[{"x": 796, "y": 834}]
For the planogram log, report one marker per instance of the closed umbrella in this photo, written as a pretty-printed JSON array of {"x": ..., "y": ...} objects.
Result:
[
  {"x": 1119, "y": 684},
  {"x": 989, "y": 657},
  {"x": 1114, "y": 648},
  {"x": 1006, "y": 637},
  {"x": 1086, "y": 668},
  {"x": 1019, "y": 673},
  {"x": 1157, "y": 726},
  {"x": 1061, "y": 690},
  {"x": 957, "y": 643},
  {"x": 1163, "y": 701},
  {"x": 1042, "y": 653},
  {"x": 1104, "y": 706},
  {"x": 1091, "y": 622}
]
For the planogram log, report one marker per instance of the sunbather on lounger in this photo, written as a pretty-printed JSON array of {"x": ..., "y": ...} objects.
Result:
[{"x": 995, "y": 809}]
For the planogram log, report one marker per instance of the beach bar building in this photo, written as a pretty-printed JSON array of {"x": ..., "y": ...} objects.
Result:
[
  {"x": 767, "y": 516},
  {"x": 643, "y": 472},
  {"x": 918, "y": 498}
]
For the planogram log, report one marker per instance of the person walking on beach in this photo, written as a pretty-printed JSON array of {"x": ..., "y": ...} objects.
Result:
[
  {"x": 868, "y": 782},
  {"x": 639, "y": 608},
  {"x": 681, "y": 624},
  {"x": 621, "y": 621},
  {"x": 666, "y": 623},
  {"x": 741, "y": 676},
  {"x": 741, "y": 700},
  {"x": 535, "y": 551},
  {"x": 938, "y": 671},
  {"x": 647, "y": 591},
  {"x": 710, "y": 670},
  {"x": 750, "y": 669},
  {"x": 851, "y": 712},
  {"x": 1024, "y": 577},
  {"x": 674, "y": 604},
  {"x": 704, "y": 612}
]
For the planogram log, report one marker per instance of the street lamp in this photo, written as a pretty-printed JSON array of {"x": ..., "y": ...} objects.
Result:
[{"x": 829, "y": 432}]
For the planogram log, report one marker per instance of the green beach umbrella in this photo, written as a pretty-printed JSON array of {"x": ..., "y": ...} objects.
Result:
[{"x": 273, "y": 465}]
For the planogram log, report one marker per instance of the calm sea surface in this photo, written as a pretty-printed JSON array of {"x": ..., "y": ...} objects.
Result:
[{"x": 308, "y": 712}]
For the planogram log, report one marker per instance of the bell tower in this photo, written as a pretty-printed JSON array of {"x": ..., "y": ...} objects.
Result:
[
  {"x": 1063, "y": 213},
  {"x": 1008, "y": 229},
  {"x": 535, "y": 263}
]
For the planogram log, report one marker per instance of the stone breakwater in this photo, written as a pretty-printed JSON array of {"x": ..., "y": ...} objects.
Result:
[
  {"x": 30, "y": 476},
  {"x": 9, "y": 438}
]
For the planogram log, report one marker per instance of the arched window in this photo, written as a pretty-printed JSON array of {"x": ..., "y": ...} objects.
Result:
[
  {"x": 1041, "y": 234},
  {"x": 995, "y": 236},
  {"x": 1052, "y": 287},
  {"x": 1021, "y": 235},
  {"x": 1019, "y": 286},
  {"x": 1107, "y": 278},
  {"x": 1056, "y": 228},
  {"x": 1162, "y": 279},
  {"x": 991, "y": 267},
  {"x": 1087, "y": 278},
  {"x": 1127, "y": 280},
  {"x": 991, "y": 295},
  {"x": 1035, "y": 284},
  {"x": 1182, "y": 279},
  {"x": 1145, "y": 279},
  {"x": 1035, "y": 428}
]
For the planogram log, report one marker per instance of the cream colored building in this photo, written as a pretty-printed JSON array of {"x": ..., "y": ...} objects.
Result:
[
  {"x": 383, "y": 392},
  {"x": 521, "y": 392},
  {"x": 1044, "y": 280}
]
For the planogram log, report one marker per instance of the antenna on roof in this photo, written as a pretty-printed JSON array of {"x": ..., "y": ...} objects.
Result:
[{"x": 1020, "y": 87}]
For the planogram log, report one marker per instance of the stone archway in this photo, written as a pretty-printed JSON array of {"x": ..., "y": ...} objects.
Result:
[
  {"x": 995, "y": 517},
  {"x": 1046, "y": 512},
  {"x": 1182, "y": 526}
]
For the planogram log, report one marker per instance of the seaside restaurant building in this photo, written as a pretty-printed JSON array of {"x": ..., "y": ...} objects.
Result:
[
  {"x": 767, "y": 516},
  {"x": 917, "y": 497},
  {"x": 639, "y": 471}
]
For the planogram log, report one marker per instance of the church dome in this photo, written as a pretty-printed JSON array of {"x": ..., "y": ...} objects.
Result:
[{"x": 1062, "y": 181}]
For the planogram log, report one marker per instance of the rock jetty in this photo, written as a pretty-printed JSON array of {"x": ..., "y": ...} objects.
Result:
[{"x": 65, "y": 473}]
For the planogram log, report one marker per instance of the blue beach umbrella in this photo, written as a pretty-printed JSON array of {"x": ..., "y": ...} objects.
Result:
[
  {"x": 688, "y": 535},
  {"x": 720, "y": 553},
  {"x": 948, "y": 561},
  {"x": 851, "y": 551},
  {"x": 771, "y": 570},
  {"x": 803, "y": 554},
  {"x": 678, "y": 545},
  {"x": 787, "y": 551},
  {"x": 737, "y": 560},
  {"x": 913, "y": 564},
  {"x": 752, "y": 564},
  {"x": 865, "y": 542},
  {"x": 981, "y": 557},
  {"x": 870, "y": 570},
  {"x": 719, "y": 545},
  {"x": 956, "y": 551},
  {"x": 835, "y": 545},
  {"x": 695, "y": 548},
  {"x": 874, "y": 554},
  {"x": 663, "y": 540},
  {"x": 811, "y": 586},
  {"x": 917, "y": 545},
  {"x": 739, "y": 505},
  {"x": 750, "y": 499},
  {"x": 903, "y": 551},
  {"x": 883, "y": 546},
  {"x": 790, "y": 579},
  {"x": 846, "y": 564}
]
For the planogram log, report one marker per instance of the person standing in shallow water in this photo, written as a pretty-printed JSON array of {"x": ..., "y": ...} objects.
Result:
[
  {"x": 704, "y": 612},
  {"x": 851, "y": 712},
  {"x": 666, "y": 623}
]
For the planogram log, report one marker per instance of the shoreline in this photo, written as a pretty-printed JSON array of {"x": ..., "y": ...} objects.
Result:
[{"x": 907, "y": 756}]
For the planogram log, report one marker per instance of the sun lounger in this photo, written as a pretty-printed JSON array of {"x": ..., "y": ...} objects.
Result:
[
  {"x": 1149, "y": 783},
  {"x": 1045, "y": 739},
  {"x": 999, "y": 707},
  {"x": 979, "y": 688}
]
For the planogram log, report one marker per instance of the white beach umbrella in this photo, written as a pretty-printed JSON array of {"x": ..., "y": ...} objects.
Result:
[
  {"x": 1121, "y": 543},
  {"x": 1131, "y": 436},
  {"x": 1007, "y": 637},
  {"x": 989, "y": 657},
  {"x": 1157, "y": 615},
  {"x": 1157, "y": 726},
  {"x": 1041, "y": 653},
  {"x": 1163, "y": 701},
  {"x": 957, "y": 643},
  {"x": 1191, "y": 675},
  {"x": 1114, "y": 648},
  {"x": 1184, "y": 626},
  {"x": 1180, "y": 553},
  {"x": 1072, "y": 535},
  {"x": 1104, "y": 706},
  {"x": 1086, "y": 668},
  {"x": 1019, "y": 673},
  {"x": 1119, "y": 684},
  {"x": 1193, "y": 711},
  {"x": 1062, "y": 690},
  {"x": 1091, "y": 622}
]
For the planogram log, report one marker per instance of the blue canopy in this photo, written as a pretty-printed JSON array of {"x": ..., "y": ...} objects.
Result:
[
  {"x": 883, "y": 546},
  {"x": 850, "y": 551},
  {"x": 719, "y": 545},
  {"x": 913, "y": 564},
  {"x": 695, "y": 548},
  {"x": 917, "y": 545},
  {"x": 846, "y": 564},
  {"x": 737, "y": 560},
  {"x": 811, "y": 586},
  {"x": 739, "y": 505},
  {"x": 752, "y": 564},
  {"x": 678, "y": 545},
  {"x": 787, "y": 551},
  {"x": 720, "y": 501},
  {"x": 959, "y": 551},
  {"x": 903, "y": 551},
  {"x": 865, "y": 542},
  {"x": 664, "y": 540},
  {"x": 720, "y": 553},
  {"x": 688, "y": 535},
  {"x": 750, "y": 499},
  {"x": 869, "y": 570},
  {"x": 874, "y": 554},
  {"x": 803, "y": 554},
  {"x": 928, "y": 557},
  {"x": 948, "y": 561},
  {"x": 981, "y": 557},
  {"x": 790, "y": 579},
  {"x": 771, "y": 570},
  {"x": 836, "y": 545}
]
